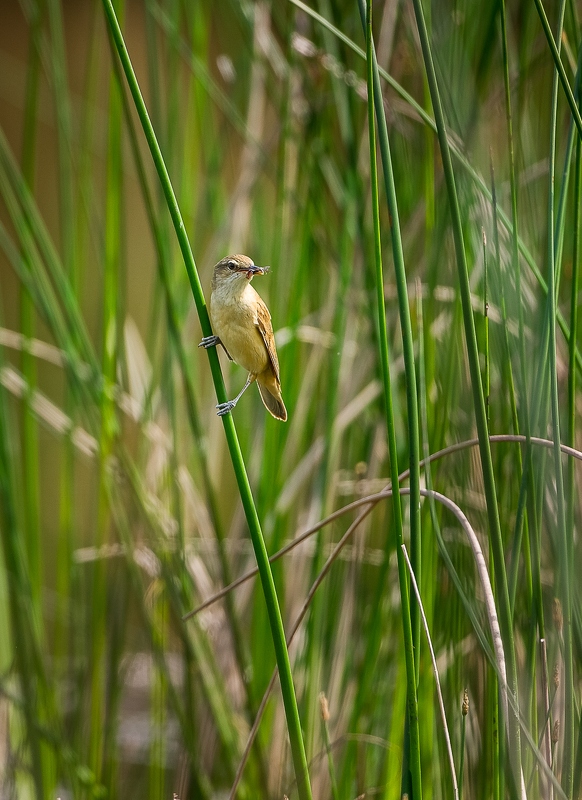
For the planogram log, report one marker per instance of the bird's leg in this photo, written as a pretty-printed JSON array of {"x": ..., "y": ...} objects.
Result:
[
  {"x": 224, "y": 408},
  {"x": 214, "y": 341}
]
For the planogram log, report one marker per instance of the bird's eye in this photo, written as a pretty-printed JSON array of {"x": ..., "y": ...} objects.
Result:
[{"x": 232, "y": 264}]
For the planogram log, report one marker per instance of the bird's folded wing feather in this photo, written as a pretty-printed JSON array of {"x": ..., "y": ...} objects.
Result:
[{"x": 263, "y": 323}]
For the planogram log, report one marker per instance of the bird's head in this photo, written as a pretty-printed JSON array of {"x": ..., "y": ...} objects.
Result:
[{"x": 234, "y": 269}]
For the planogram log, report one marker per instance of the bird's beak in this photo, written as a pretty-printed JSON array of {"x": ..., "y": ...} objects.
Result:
[{"x": 254, "y": 270}]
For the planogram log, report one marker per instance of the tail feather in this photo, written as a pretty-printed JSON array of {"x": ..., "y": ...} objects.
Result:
[{"x": 273, "y": 403}]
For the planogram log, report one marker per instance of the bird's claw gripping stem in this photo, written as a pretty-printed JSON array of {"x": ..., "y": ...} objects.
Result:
[
  {"x": 209, "y": 341},
  {"x": 225, "y": 408}
]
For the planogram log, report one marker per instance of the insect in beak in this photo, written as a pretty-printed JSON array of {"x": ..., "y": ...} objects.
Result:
[{"x": 254, "y": 270}]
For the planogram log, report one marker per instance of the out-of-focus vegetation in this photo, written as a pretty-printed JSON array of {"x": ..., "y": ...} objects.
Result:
[{"x": 119, "y": 508}]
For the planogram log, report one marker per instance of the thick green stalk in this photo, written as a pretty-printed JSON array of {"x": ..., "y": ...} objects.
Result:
[
  {"x": 372, "y": 75},
  {"x": 271, "y": 600},
  {"x": 478, "y": 399}
]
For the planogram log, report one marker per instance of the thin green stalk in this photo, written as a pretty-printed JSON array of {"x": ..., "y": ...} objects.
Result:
[
  {"x": 436, "y": 675},
  {"x": 522, "y": 521},
  {"x": 563, "y": 546},
  {"x": 158, "y": 697},
  {"x": 528, "y": 492},
  {"x": 63, "y": 112},
  {"x": 561, "y": 72},
  {"x": 486, "y": 337},
  {"x": 478, "y": 400},
  {"x": 30, "y": 444},
  {"x": 578, "y": 764},
  {"x": 199, "y": 650},
  {"x": 407, "y": 623},
  {"x": 17, "y": 194},
  {"x": 458, "y": 155},
  {"x": 109, "y": 430},
  {"x": 571, "y": 478},
  {"x": 516, "y": 269},
  {"x": 407, "y": 339},
  {"x": 24, "y": 642},
  {"x": 430, "y": 553},
  {"x": 27, "y": 327},
  {"x": 271, "y": 600}
]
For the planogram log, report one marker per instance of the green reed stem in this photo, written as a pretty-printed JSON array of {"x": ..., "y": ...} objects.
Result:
[
  {"x": 562, "y": 535},
  {"x": 27, "y": 324},
  {"x": 561, "y": 72},
  {"x": 271, "y": 600},
  {"x": 455, "y": 151},
  {"x": 478, "y": 397},
  {"x": 486, "y": 334},
  {"x": 375, "y": 98},
  {"x": 571, "y": 479}
]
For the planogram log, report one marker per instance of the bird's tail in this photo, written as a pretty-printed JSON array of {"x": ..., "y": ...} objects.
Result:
[{"x": 271, "y": 397}]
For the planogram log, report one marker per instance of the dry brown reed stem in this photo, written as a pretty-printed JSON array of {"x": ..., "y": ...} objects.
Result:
[{"x": 371, "y": 501}]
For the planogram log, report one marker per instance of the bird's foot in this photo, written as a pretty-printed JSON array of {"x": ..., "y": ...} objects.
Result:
[
  {"x": 225, "y": 408},
  {"x": 209, "y": 341}
]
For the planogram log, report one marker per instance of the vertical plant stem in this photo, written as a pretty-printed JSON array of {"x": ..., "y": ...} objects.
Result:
[
  {"x": 63, "y": 111},
  {"x": 372, "y": 73},
  {"x": 109, "y": 429},
  {"x": 560, "y": 71},
  {"x": 514, "y": 230},
  {"x": 436, "y": 676},
  {"x": 571, "y": 487},
  {"x": 562, "y": 534},
  {"x": 24, "y": 642},
  {"x": 30, "y": 444},
  {"x": 525, "y": 517},
  {"x": 324, "y": 709},
  {"x": 407, "y": 338},
  {"x": 478, "y": 401},
  {"x": 27, "y": 324},
  {"x": 173, "y": 324},
  {"x": 486, "y": 324},
  {"x": 271, "y": 600}
]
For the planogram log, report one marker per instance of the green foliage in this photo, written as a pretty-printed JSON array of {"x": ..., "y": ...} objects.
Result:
[{"x": 120, "y": 508}]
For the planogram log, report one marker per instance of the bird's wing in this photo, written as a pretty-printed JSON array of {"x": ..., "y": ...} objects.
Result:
[{"x": 263, "y": 323}]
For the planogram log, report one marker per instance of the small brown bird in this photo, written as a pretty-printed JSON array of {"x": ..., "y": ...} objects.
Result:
[{"x": 242, "y": 325}]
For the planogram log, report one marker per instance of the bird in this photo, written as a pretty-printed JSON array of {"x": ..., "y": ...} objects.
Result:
[{"x": 241, "y": 323}]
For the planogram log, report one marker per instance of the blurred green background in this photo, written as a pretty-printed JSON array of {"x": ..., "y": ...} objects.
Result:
[{"x": 119, "y": 507}]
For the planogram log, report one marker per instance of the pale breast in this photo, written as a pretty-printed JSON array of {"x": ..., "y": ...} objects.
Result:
[{"x": 233, "y": 321}]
